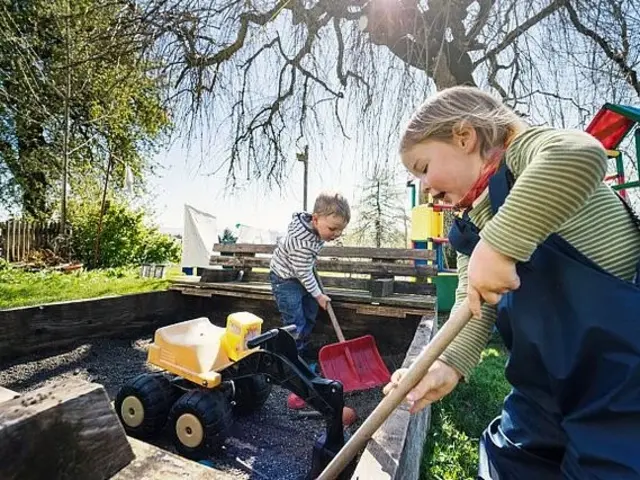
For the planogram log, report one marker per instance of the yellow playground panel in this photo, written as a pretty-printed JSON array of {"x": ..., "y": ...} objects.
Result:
[{"x": 427, "y": 232}]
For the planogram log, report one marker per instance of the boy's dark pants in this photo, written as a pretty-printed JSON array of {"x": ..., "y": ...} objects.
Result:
[{"x": 297, "y": 307}]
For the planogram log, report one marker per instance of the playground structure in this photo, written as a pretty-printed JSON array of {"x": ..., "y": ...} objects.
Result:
[
  {"x": 427, "y": 233},
  {"x": 610, "y": 126}
]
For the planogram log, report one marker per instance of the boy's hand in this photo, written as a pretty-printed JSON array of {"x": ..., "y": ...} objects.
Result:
[
  {"x": 491, "y": 274},
  {"x": 323, "y": 300},
  {"x": 438, "y": 382}
]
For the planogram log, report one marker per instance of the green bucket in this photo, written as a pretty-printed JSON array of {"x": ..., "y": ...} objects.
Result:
[{"x": 446, "y": 284}]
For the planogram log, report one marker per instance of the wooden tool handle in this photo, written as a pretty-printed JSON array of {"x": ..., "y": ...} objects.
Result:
[
  {"x": 414, "y": 374},
  {"x": 332, "y": 314},
  {"x": 334, "y": 321}
]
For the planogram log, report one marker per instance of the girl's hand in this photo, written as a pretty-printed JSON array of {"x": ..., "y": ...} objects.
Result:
[
  {"x": 438, "y": 382},
  {"x": 491, "y": 274}
]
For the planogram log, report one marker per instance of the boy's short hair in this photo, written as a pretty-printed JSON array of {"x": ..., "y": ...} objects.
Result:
[{"x": 332, "y": 203}]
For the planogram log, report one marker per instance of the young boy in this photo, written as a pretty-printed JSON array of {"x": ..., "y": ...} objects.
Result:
[{"x": 295, "y": 288}]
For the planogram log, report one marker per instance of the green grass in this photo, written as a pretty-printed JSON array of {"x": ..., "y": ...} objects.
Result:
[
  {"x": 451, "y": 450},
  {"x": 20, "y": 289}
]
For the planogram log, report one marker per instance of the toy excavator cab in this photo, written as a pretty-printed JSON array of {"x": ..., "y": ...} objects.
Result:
[
  {"x": 197, "y": 350},
  {"x": 242, "y": 327}
]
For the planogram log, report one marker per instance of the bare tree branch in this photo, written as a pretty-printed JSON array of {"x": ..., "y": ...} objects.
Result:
[{"x": 619, "y": 57}]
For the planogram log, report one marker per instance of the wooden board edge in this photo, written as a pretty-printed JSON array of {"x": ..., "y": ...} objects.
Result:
[{"x": 395, "y": 450}]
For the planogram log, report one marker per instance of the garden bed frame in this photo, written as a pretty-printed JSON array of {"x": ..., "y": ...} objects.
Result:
[{"x": 406, "y": 308}]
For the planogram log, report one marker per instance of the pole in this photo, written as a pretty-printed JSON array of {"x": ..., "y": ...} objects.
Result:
[{"x": 304, "y": 158}]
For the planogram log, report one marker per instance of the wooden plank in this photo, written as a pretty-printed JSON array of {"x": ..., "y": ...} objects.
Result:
[
  {"x": 219, "y": 276},
  {"x": 152, "y": 462},
  {"x": 381, "y": 287},
  {"x": 6, "y": 394},
  {"x": 395, "y": 450},
  {"x": 32, "y": 329},
  {"x": 67, "y": 430},
  {"x": 11, "y": 241},
  {"x": 352, "y": 252},
  {"x": 263, "y": 291},
  {"x": 394, "y": 312},
  {"x": 210, "y": 292},
  {"x": 399, "y": 286},
  {"x": 414, "y": 288},
  {"x": 335, "y": 266}
]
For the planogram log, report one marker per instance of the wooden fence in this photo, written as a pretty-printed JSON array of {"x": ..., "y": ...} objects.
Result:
[{"x": 18, "y": 238}]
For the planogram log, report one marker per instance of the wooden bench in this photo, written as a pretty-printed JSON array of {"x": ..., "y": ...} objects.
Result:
[{"x": 387, "y": 281}]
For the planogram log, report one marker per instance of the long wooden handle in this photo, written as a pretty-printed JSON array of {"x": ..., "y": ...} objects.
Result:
[
  {"x": 414, "y": 374},
  {"x": 332, "y": 314},
  {"x": 334, "y": 321}
]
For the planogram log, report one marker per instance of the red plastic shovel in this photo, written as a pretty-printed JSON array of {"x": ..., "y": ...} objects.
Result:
[{"x": 355, "y": 363}]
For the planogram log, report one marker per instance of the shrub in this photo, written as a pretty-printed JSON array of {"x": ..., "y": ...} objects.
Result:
[{"x": 125, "y": 238}]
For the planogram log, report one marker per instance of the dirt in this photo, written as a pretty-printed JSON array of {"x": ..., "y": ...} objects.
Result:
[{"x": 273, "y": 443}]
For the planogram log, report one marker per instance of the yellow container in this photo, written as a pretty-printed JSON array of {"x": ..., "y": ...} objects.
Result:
[{"x": 425, "y": 223}]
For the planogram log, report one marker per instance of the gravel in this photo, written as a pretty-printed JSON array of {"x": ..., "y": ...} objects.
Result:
[{"x": 273, "y": 443}]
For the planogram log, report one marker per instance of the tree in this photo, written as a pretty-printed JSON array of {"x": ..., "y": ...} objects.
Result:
[
  {"x": 76, "y": 95},
  {"x": 271, "y": 72},
  {"x": 381, "y": 216},
  {"x": 227, "y": 236}
]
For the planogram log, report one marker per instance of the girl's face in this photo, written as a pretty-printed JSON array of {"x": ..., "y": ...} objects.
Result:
[{"x": 447, "y": 170}]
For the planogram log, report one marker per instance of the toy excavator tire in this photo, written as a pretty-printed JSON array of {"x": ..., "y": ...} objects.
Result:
[
  {"x": 200, "y": 421},
  {"x": 143, "y": 404},
  {"x": 251, "y": 393}
]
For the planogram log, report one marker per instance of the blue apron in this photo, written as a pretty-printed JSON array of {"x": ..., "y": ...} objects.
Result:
[{"x": 573, "y": 334}]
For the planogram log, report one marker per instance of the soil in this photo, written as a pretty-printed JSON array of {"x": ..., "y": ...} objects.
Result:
[{"x": 273, "y": 443}]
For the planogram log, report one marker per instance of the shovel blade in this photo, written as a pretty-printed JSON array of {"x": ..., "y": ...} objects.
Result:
[{"x": 367, "y": 371}]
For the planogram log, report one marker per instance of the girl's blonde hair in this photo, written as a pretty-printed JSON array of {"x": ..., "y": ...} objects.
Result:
[{"x": 450, "y": 109}]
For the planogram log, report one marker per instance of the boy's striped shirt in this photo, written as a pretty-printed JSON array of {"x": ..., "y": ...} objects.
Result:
[
  {"x": 296, "y": 253},
  {"x": 559, "y": 189}
]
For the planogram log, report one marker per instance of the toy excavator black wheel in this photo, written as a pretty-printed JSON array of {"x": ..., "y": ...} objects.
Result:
[
  {"x": 143, "y": 404},
  {"x": 200, "y": 421},
  {"x": 251, "y": 393}
]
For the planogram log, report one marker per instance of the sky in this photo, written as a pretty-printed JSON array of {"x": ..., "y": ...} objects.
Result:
[{"x": 182, "y": 181}]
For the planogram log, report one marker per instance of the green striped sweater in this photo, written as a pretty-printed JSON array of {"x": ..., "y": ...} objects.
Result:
[{"x": 559, "y": 188}]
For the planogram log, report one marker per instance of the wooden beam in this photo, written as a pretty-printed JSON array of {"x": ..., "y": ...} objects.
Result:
[
  {"x": 399, "y": 286},
  {"x": 68, "y": 430},
  {"x": 335, "y": 266},
  {"x": 381, "y": 287},
  {"x": 263, "y": 291},
  {"x": 351, "y": 252},
  {"x": 56, "y": 325},
  {"x": 152, "y": 462},
  {"x": 6, "y": 394},
  {"x": 395, "y": 450}
]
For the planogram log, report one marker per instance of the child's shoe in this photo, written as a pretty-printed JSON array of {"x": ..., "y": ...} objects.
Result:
[
  {"x": 294, "y": 402},
  {"x": 313, "y": 366}
]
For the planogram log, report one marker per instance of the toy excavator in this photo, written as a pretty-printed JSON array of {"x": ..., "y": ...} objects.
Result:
[{"x": 209, "y": 373}]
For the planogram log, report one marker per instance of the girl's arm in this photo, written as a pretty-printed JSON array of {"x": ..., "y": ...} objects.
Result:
[
  {"x": 556, "y": 172},
  {"x": 464, "y": 352}
]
